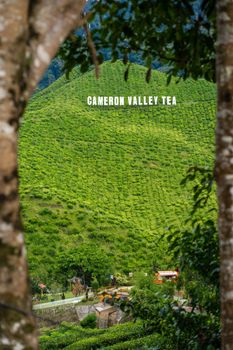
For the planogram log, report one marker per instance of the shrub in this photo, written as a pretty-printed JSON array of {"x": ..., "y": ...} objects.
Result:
[
  {"x": 95, "y": 285},
  {"x": 110, "y": 336},
  {"x": 66, "y": 334},
  {"x": 139, "y": 343},
  {"x": 89, "y": 321},
  {"x": 45, "y": 211}
]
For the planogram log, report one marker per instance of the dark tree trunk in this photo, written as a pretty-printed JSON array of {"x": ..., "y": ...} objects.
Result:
[
  {"x": 224, "y": 164},
  {"x": 17, "y": 326},
  {"x": 30, "y": 34}
]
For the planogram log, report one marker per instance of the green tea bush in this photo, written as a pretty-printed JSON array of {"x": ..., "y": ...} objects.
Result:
[
  {"x": 110, "y": 336},
  {"x": 89, "y": 321},
  {"x": 64, "y": 335},
  {"x": 143, "y": 343},
  {"x": 46, "y": 211}
]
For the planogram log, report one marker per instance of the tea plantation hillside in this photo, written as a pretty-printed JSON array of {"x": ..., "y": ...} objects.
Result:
[
  {"x": 110, "y": 175},
  {"x": 123, "y": 336}
]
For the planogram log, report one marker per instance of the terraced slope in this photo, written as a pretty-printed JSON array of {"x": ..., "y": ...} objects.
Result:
[
  {"x": 110, "y": 175},
  {"x": 123, "y": 336}
]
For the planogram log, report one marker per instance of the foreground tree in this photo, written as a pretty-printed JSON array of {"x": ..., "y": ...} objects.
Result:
[
  {"x": 224, "y": 164},
  {"x": 179, "y": 35},
  {"x": 30, "y": 34}
]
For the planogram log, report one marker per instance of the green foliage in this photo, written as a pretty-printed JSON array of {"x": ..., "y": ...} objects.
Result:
[
  {"x": 94, "y": 284},
  {"x": 34, "y": 286},
  {"x": 122, "y": 279},
  {"x": 110, "y": 336},
  {"x": 89, "y": 321},
  {"x": 70, "y": 337},
  {"x": 59, "y": 338},
  {"x": 85, "y": 261},
  {"x": 180, "y": 34},
  {"x": 150, "y": 300},
  {"x": 142, "y": 343},
  {"x": 141, "y": 281},
  {"x": 176, "y": 327},
  {"x": 119, "y": 168},
  {"x": 195, "y": 248}
]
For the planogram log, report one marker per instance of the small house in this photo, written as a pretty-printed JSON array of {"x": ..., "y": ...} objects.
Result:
[{"x": 104, "y": 313}]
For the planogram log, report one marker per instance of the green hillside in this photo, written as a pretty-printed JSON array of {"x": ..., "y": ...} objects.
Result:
[{"x": 110, "y": 175}]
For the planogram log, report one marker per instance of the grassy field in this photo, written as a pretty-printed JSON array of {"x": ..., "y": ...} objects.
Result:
[{"x": 110, "y": 175}]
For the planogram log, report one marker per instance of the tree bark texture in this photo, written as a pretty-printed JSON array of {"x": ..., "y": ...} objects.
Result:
[
  {"x": 30, "y": 34},
  {"x": 224, "y": 164}
]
